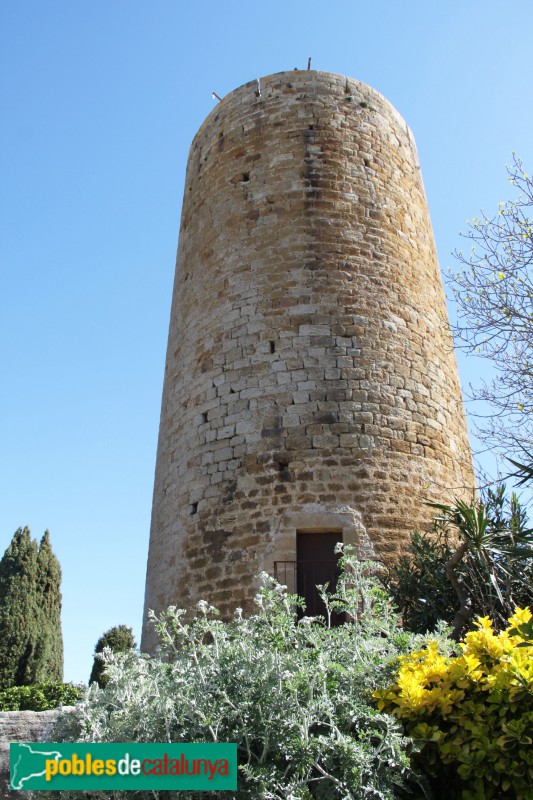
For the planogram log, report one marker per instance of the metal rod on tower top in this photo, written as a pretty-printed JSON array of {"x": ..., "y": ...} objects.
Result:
[{"x": 309, "y": 63}]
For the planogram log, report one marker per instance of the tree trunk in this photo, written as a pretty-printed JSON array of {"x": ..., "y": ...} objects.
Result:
[{"x": 464, "y": 612}]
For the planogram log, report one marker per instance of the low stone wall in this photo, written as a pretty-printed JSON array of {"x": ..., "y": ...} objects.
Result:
[{"x": 21, "y": 726}]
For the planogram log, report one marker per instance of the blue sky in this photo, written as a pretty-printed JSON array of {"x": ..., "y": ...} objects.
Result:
[{"x": 99, "y": 102}]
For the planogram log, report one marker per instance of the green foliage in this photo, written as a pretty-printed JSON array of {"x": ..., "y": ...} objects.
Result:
[
  {"x": 119, "y": 639},
  {"x": 471, "y": 715},
  {"x": 525, "y": 631},
  {"x": 294, "y": 695},
  {"x": 496, "y": 569},
  {"x": 18, "y": 577},
  {"x": 524, "y": 472},
  {"x": 501, "y": 550},
  {"x": 31, "y": 644},
  {"x": 49, "y": 645},
  {"x": 43, "y": 697},
  {"x": 418, "y": 582}
]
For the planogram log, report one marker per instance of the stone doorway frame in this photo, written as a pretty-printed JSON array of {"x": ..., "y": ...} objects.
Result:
[{"x": 317, "y": 517}]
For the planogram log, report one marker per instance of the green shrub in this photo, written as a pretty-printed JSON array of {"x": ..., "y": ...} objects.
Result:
[
  {"x": 418, "y": 582},
  {"x": 472, "y": 715},
  {"x": 295, "y": 696},
  {"x": 42, "y": 697},
  {"x": 496, "y": 573},
  {"x": 118, "y": 640},
  {"x": 31, "y": 643}
]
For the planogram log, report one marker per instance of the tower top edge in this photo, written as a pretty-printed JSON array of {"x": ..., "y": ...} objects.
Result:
[{"x": 258, "y": 87}]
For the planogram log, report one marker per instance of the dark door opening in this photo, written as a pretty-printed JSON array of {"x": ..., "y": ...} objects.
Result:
[{"x": 317, "y": 563}]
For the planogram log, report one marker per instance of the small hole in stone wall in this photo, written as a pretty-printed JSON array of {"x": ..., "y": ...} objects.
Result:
[
  {"x": 272, "y": 347},
  {"x": 311, "y": 127},
  {"x": 194, "y": 508},
  {"x": 204, "y": 417},
  {"x": 284, "y": 472},
  {"x": 367, "y": 162},
  {"x": 245, "y": 177}
]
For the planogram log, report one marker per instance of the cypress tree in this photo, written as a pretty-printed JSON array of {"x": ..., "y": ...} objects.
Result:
[
  {"x": 18, "y": 572},
  {"x": 119, "y": 639},
  {"x": 49, "y": 662},
  {"x": 30, "y": 607}
]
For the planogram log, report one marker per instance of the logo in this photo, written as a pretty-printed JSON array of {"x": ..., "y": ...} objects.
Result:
[{"x": 123, "y": 766}]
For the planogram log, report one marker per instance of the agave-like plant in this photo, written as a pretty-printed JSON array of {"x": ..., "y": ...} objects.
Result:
[
  {"x": 500, "y": 546},
  {"x": 524, "y": 472}
]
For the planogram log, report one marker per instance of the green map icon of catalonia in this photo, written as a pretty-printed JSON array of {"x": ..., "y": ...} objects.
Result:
[{"x": 28, "y": 763}]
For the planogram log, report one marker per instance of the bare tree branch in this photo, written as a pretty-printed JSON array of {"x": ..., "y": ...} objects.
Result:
[{"x": 493, "y": 289}]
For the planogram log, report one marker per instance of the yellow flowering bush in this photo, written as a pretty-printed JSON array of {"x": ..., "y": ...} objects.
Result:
[{"x": 472, "y": 715}]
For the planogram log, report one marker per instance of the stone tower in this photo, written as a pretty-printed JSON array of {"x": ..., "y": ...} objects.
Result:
[{"x": 310, "y": 382}]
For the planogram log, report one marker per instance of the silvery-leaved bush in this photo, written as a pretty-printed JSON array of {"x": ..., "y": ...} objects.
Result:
[{"x": 296, "y": 697}]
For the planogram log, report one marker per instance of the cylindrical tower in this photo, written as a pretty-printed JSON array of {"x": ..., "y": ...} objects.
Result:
[{"x": 310, "y": 383}]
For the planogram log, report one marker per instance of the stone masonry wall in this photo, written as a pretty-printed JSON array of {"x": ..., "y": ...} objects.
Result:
[
  {"x": 310, "y": 381},
  {"x": 21, "y": 726}
]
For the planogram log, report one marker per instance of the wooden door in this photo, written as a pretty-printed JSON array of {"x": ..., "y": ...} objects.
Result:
[{"x": 317, "y": 563}]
